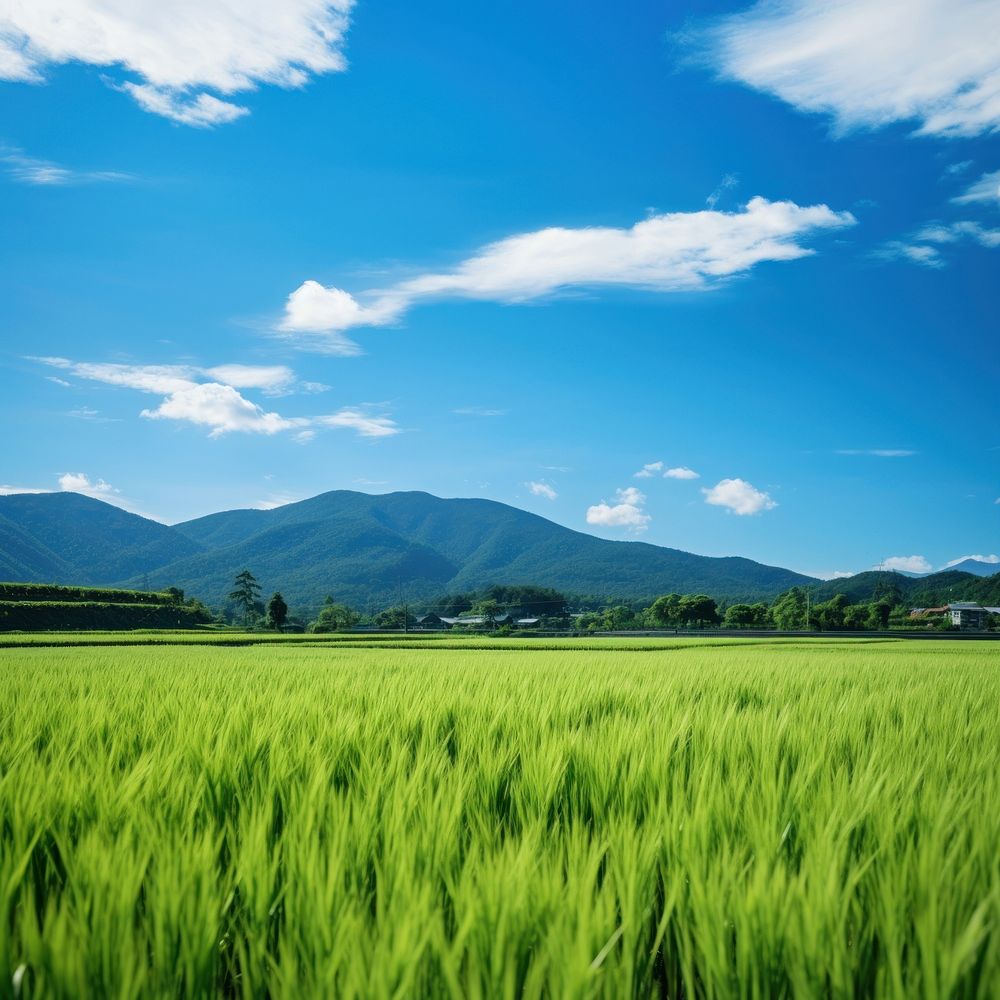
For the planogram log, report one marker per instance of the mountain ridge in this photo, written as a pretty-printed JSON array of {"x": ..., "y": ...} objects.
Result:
[{"x": 365, "y": 549}]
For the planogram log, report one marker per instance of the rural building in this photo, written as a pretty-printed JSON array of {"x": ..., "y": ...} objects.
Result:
[
  {"x": 432, "y": 621},
  {"x": 968, "y": 615}
]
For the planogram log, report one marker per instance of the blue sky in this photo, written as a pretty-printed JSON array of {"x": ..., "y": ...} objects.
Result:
[{"x": 520, "y": 252}]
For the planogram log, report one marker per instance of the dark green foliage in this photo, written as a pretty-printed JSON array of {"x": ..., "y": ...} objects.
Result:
[
  {"x": 747, "y": 616},
  {"x": 398, "y": 616},
  {"x": 31, "y": 616},
  {"x": 244, "y": 595},
  {"x": 334, "y": 618},
  {"x": 52, "y": 592},
  {"x": 277, "y": 611}
]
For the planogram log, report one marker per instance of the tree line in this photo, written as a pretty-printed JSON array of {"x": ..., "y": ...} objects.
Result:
[{"x": 550, "y": 610}]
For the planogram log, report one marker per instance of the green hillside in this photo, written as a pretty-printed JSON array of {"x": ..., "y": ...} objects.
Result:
[
  {"x": 367, "y": 550},
  {"x": 58, "y": 537},
  {"x": 923, "y": 591}
]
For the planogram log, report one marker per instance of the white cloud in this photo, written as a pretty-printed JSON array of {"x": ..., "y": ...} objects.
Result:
[
  {"x": 217, "y": 404},
  {"x": 992, "y": 560},
  {"x": 273, "y": 500},
  {"x": 73, "y": 482},
  {"x": 365, "y": 424},
  {"x": 915, "y": 253},
  {"x": 985, "y": 190},
  {"x": 681, "y": 472},
  {"x": 479, "y": 411},
  {"x": 202, "y": 111},
  {"x": 649, "y": 470},
  {"x": 79, "y": 482},
  {"x": 223, "y": 409},
  {"x": 273, "y": 379},
  {"x": 679, "y": 251},
  {"x": 627, "y": 512},
  {"x": 907, "y": 564},
  {"x": 955, "y": 231},
  {"x": 30, "y": 170},
  {"x": 877, "y": 452},
  {"x": 738, "y": 497},
  {"x": 542, "y": 490},
  {"x": 923, "y": 246},
  {"x": 58, "y": 381},
  {"x": 9, "y": 491},
  {"x": 178, "y": 51},
  {"x": 933, "y": 62}
]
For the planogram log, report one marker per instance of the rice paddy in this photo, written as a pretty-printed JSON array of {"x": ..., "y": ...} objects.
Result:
[{"x": 483, "y": 819}]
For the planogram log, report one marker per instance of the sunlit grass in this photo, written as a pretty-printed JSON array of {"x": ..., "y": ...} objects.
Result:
[{"x": 797, "y": 819}]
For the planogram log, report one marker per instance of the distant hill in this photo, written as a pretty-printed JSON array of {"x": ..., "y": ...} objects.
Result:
[
  {"x": 365, "y": 550},
  {"x": 977, "y": 567},
  {"x": 932, "y": 590},
  {"x": 69, "y": 538}
]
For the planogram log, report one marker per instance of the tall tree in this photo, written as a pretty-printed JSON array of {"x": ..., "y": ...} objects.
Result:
[
  {"x": 277, "y": 611},
  {"x": 245, "y": 592}
]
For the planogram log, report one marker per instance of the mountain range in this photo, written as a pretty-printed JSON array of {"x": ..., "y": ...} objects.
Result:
[{"x": 369, "y": 551}]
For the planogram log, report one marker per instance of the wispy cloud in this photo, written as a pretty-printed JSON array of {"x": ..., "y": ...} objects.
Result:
[
  {"x": 738, "y": 497},
  {"x": 726, "y": 184},
  {"x": 681, "y": 472},
  {"x": 30, "y": 170},
  {"x": 649, "y": 470},
  {"x": 924, "y": 246},
  {"x": 180, "y": 54},
  {"x": 932, "y": 62},
  {"x": 878, "y": 452},
  {"x": 625, "y": 512},
  {"x": 985, "y": 191},
  {"x": 479, "y": 411},
  {"x": 679, "y": 251},
  {"x": 542, "y": 490},
  {"x": 218, "y": 405}
]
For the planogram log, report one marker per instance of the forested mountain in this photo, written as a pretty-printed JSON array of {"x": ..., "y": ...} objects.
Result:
[
  {"x": 69, "y": 538},
  {"x": 365, "y": 550},
  {"x": 933, "y": 590}
]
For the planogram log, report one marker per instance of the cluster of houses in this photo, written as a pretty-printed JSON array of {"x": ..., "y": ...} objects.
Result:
[
  {"x": 964, "y": 614},
  {"x": 474, "y": 621}
]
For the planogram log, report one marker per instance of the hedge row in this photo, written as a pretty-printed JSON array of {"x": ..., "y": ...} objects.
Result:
[
  {"x": 58, "y": 615},
  {"x": 54, "y": 592}
]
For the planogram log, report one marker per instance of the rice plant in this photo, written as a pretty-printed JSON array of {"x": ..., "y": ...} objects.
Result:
[{"x": 479, "y": 820}]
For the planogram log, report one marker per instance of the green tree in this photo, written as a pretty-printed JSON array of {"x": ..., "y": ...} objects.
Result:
[
  {"x": 664, "y": 610},
  {"x": 246, "y": 591},
  {"x": 878, "y": 614},
  {"x": 829, "y": 614},
  {"x": 334, "y": 618},
  {"x": 697, "y": 609},
  {"x": 856, "y": 616},
  {"x": 789, "y": 610},
  {"x": 739, "y": 616},
  {"x": 397, "y": 616},
  {"x": 487, "y": 609},
  {"x": 618, "y": 618},
  {"x": 277, "y": 611}
]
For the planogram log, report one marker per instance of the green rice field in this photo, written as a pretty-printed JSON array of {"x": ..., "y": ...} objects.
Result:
[{"x": 477, "y": 818}]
